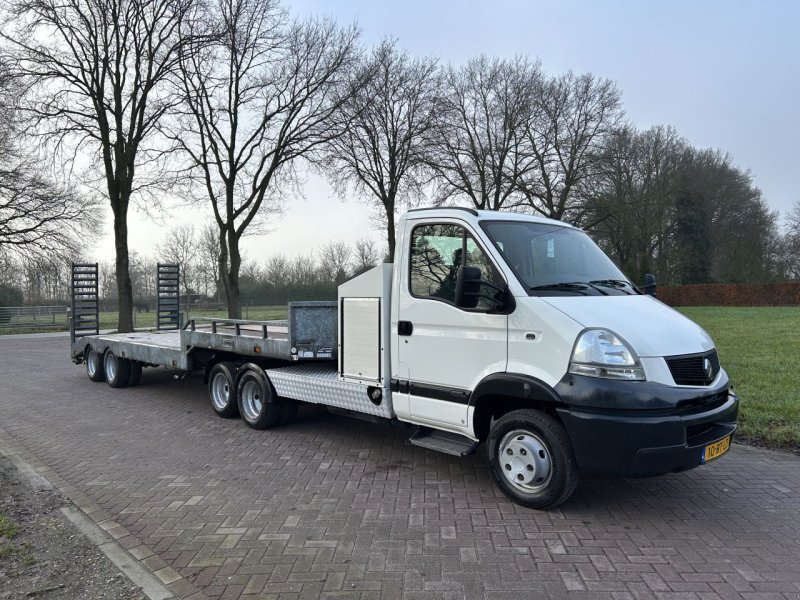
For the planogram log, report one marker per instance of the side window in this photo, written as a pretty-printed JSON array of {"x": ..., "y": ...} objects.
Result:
[
  {"x": 436, "y": 256},
  {"x": 434, "y": 252}
]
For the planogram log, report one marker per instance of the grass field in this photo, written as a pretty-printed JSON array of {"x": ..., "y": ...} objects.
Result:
[
  {"x": 760, "y": 349},
  {"x": 108, "y": 320}
]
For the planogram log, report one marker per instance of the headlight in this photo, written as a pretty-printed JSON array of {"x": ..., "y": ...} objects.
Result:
[{"x": 600, "y": 353}]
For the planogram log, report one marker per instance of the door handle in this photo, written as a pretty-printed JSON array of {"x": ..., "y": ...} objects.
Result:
[{"x": 405, "y": 328}]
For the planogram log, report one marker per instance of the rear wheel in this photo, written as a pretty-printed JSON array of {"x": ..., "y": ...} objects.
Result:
[
  {"x": 222, "y": 390},
  {"x": 531, "y": 459},
  {"x": 94, "y": 365},
  {"x": 259, "y": 406},
  {"x": 117, "y": 370}
]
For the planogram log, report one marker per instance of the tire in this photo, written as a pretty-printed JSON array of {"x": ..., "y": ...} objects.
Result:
[
  {"x": 259, "y": 406},
  {"x": 531, "y": 459},
  {"x": 136, "y": 373},
  {"x": 94, "y": 365},
  {"x": 117, "y": 370},
  {"x": 222, "y": 390},
  {"x": 288, "y": 411}
]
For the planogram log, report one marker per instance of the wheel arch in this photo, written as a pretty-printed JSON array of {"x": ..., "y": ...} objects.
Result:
[{"x": 500, "y": 393}]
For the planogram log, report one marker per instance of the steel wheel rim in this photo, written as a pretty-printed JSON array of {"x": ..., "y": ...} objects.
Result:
[
  {"x": 92, "y": 363},
  {"x": 111, "y": 366},
  {"x": 252, "y": 403},
  {"x": 220, "y": 391},
  {"x": 525, "y": 461}
]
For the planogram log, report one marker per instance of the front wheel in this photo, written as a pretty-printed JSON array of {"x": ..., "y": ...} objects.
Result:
[
  {"x": 222, "y": 390},
  {"x": 531, "y": 459},
  {"x": 94, "y": 365}
]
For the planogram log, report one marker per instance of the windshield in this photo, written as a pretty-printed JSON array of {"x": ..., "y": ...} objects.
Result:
[{"x": 552, "y": 260}]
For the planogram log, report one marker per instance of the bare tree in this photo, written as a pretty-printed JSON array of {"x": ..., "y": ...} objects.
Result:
[
  {"x": 365, "y": 257},
  {"x": 180, "y": 246},
  {"x": 38, "y": 216},
  {"x": 334, "y": 261},
  {"x": 208, "y": 251},
  {"x": 565, "y": 132},
  {"x": 261, "y": 97},
  {"x": 97, "y": 68},
  {"x": 475, "y": 150},
  {"x": 388, "y": 115}
]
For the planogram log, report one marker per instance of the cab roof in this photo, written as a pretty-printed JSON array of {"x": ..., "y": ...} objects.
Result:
[{"x": 473, "y": 216}]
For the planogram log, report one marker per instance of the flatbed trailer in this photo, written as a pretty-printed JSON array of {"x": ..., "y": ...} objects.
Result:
[{"x": 510, "y": 331}]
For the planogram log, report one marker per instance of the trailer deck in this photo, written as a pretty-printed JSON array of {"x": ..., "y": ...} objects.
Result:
[{"x": 308, "y": 334}]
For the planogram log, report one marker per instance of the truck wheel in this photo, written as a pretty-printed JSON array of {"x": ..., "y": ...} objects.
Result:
[
  {"x": 94, "y": 365},
  {"x": 258, "y": 404},
  {"x": 136, "y": 373},
  {"x": 117, "y": 370},
  {"x": 222, "y": 390},
  {"x": 531, "y": 459}
]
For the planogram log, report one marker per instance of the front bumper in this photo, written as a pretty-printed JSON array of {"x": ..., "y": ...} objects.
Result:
[{"x": 637, "y": 442}]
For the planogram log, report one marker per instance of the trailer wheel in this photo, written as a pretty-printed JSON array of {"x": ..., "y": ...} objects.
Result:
[
  {"x": 531, "y": 459},
  {"x": 94, "y": 365},
  {"x": 258, "y": 404},
  {"x": 117, "y": 370},
  {"x": 136, "y": 373},
  {"x": 222, "y": 390}
]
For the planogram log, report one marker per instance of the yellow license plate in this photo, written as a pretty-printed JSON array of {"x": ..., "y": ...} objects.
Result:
[{"x": 716, "y": 449}]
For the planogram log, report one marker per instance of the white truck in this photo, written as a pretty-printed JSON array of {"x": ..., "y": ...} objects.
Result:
[{"x": 496, "y": 329}]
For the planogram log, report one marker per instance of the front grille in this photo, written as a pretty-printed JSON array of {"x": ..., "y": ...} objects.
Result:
[{"x": 691, "y": 369}]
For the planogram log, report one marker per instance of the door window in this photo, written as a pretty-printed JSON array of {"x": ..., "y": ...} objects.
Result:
[{"x": 437, "y": 253}]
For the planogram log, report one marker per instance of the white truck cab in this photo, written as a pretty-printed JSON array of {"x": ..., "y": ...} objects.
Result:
[
  {"x": 506, "y": 330},
  {"x": 520, "y": 332}
]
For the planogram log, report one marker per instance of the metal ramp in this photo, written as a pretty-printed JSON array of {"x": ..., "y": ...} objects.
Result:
[
  {"x": 85, "y": 318},
  {"x": 168, "y": 297}
]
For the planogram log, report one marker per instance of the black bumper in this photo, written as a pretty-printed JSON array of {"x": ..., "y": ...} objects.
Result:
[{"x": 640, "y": 429}]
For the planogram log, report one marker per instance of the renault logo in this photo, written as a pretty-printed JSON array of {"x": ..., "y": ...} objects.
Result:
[{"x": 708, "y": 368}]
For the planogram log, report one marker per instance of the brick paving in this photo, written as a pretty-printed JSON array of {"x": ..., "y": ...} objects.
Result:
[{"x": 330, "y": 507}]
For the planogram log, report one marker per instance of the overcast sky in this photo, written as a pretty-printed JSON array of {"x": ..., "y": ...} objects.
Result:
[{"x": 726, "y": 74}]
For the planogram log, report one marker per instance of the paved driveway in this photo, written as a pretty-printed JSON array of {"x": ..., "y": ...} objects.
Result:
[{"x": 332, "y": 507}]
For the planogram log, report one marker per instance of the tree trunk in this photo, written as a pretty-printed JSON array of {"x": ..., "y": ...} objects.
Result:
[
  {"x": 390, "y": 231},
  {"x": 232, "y": 278},
  {"x": 124, "y": 287}
]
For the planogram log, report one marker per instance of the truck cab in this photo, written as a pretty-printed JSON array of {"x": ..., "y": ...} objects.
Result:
[{"x": 520, "y": 333}]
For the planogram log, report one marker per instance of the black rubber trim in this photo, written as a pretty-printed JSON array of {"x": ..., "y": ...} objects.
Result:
[
  {"x": 435, "y": 392},
  {"x": 514, "y": 385},
  {"x": 643, "y": 398}
]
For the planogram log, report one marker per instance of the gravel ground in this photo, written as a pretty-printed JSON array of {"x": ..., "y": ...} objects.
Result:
[{"x": 43, "y": 556}]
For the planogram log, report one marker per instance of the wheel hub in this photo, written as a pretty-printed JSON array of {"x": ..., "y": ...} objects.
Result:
[
  {"x": 251, "y": 400},
  {"x": 220, "y": 391},
  {"x": 524, "y": 460}
]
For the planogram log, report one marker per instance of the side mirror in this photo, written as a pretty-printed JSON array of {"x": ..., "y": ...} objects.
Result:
[
  {"x": 471, "y": 287},
  {"x": 468, "y": 287},
  {"x": 649, "y": 286}
]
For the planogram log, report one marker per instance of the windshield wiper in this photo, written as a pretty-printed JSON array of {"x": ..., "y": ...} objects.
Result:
[
  {"x": 618, "y": 284},
  {"x": 577, "y": 287}
]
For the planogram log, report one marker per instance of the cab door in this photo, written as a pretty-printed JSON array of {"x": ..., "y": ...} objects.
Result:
[{"x": 446, "y": 349}]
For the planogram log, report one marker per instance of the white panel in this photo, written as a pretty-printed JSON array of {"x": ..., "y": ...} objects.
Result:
[{"x": 361, "y": 338}]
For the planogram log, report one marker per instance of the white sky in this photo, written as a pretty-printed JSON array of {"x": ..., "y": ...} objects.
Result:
[{"x": 726, "y": 74}]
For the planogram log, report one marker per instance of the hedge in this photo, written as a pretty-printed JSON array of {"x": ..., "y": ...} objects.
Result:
[{"x": 731, "y": 294}]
